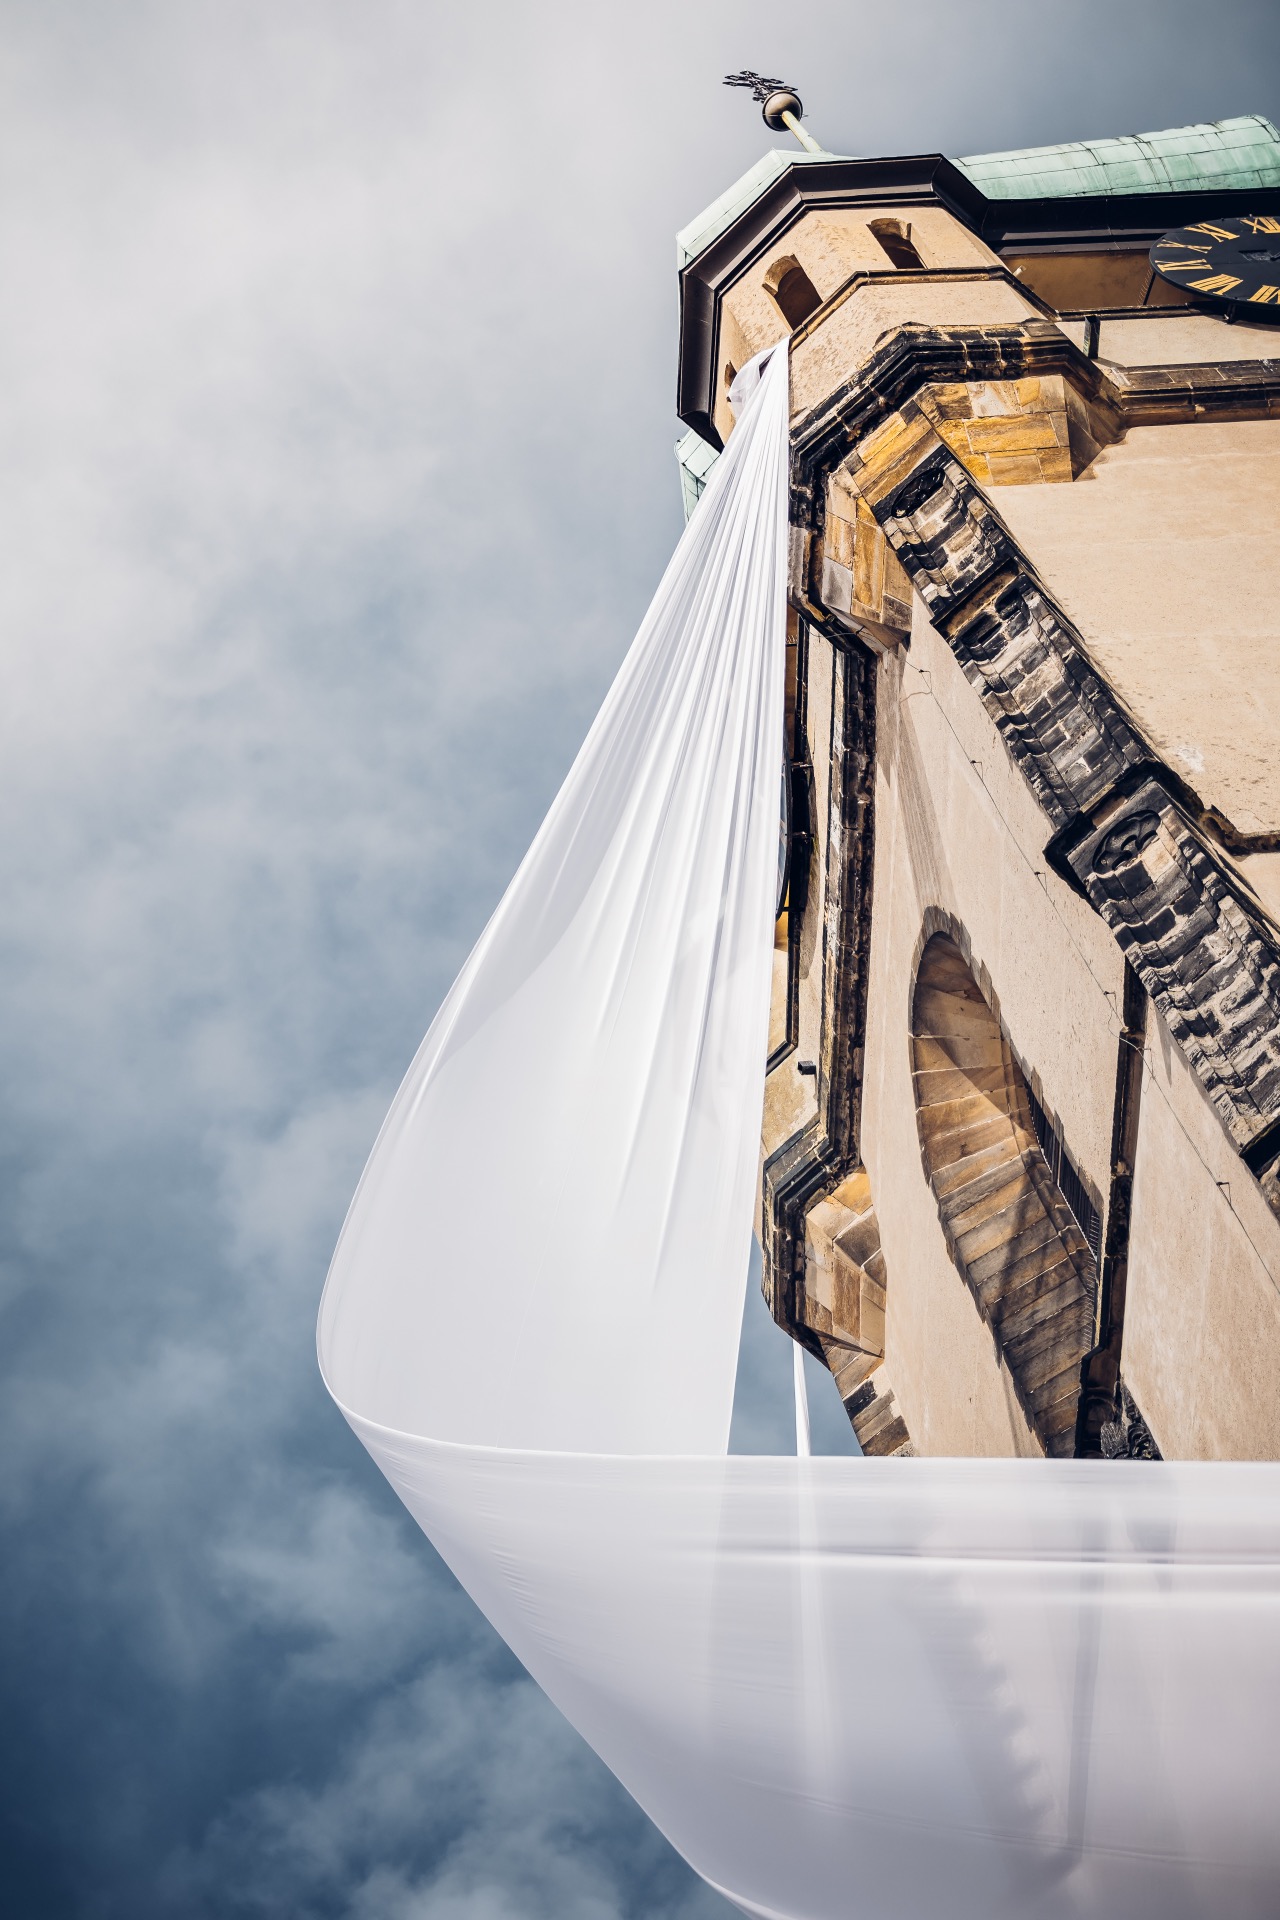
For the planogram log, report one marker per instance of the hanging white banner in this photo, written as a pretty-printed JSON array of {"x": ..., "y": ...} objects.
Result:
[{"x": 997, "y": 1689}]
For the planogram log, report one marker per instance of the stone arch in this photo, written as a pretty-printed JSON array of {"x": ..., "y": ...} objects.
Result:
[
  {"x": 790, "y": 286},
  {"x": 894, "y": 238},
  {"x": 1009, "y": 1230}
]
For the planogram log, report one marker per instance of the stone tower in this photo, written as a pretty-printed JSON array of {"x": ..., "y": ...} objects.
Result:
[{"x": 1021, "y": 1151}]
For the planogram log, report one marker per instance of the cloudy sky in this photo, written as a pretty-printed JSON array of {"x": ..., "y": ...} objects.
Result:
[{"x": 336, "y": 375}]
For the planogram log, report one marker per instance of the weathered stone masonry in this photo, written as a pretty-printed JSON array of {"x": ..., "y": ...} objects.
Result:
[{"x": 1123, "y": 827}]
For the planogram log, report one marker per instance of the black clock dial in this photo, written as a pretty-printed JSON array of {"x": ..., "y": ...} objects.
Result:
[{"x": 1235, "y": 259}]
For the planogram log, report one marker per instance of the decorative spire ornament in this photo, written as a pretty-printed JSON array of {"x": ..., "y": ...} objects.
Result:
[{"x": 781, "y": 105}]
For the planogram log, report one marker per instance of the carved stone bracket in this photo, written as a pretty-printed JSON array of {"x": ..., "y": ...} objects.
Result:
[{"x": 1211, "y": 965}]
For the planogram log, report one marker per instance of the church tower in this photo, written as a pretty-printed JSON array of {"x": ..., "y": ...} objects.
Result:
[{"x": 1021, "y": 1149}]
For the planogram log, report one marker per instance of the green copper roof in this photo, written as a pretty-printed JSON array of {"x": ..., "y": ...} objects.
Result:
[
  {"x": 695, "y": 458},
  {"x": 1216, "y": 153},
  {"x": 698, "y": 235}
]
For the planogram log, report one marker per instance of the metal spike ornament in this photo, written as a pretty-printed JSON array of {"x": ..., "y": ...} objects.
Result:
[{"x": 780, "y": 103}]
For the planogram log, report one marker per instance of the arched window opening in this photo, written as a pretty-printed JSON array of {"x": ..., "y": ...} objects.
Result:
[
  {"x": 1067, "y": 1174},
  {"x": 894, "y": 237},
  {"x": 1010, "y": 1232},
  {"x": 793, "y": 290}
]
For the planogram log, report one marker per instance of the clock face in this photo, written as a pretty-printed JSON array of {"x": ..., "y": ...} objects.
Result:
[{"x": 1235, "y": 259}]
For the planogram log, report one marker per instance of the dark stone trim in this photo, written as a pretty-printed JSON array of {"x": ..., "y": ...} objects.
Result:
[
  {"x": 1116, "y": 221},
  {"x": 825, "y": 1151},
  {"x": 800, "y": 844},
  {"x": 1100, "y": 1403},
  {"x": 1129, "y": 1437},
  {"x": 1263, "y": 1150}
]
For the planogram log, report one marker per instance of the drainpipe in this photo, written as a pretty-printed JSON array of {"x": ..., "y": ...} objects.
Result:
[{"x": 1100, "y": 1369}]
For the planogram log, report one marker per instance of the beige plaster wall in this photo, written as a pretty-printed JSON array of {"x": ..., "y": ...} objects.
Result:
[
  {"x": 831, "y": 246},
  {"x": 1171, "y": 338},
  {"x": 957, "y": 829},
  {"x": 939, "y": 238},
  {"x": 1261, "y": 872},
  {"x": 1202, "y": 1320},
  {"x": 832, "y": 352},
  {"x": 1165, "y": 555}
]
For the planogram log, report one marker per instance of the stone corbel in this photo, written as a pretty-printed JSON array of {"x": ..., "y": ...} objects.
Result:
[
  {"x": 844, "y": 1271},
  {"x": 842, "y": 1302}
]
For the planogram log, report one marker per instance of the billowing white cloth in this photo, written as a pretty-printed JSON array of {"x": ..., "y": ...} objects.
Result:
[{"x": 994, "y": 1689}]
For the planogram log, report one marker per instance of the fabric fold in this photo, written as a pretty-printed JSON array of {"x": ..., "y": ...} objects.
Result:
[{"x": 994, "y": 1688}]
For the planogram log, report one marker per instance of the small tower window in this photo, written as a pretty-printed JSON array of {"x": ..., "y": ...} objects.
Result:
[
  {"x": 793, "y": 290},
  {"x": 894, "y": 237}
]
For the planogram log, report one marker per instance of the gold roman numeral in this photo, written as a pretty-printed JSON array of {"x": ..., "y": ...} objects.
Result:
[
  {"x": 1217, "y": 283},
  {"x": 1214, "y": 233},
  {"x": 1181, "y": 266},
  {"x": 1261, "y": 222},
  {"x": 1265, "y": 294}
]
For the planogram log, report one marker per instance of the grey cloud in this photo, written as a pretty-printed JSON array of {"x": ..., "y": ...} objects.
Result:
[
  {"x": 336, "y": 367},
  {"x": 503, "y": 1803}
]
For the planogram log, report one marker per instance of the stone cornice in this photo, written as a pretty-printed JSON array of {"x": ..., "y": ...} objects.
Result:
[{"x": 913, "y": 357}]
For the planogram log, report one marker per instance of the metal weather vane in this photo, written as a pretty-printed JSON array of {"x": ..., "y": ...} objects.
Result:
[
  {"x": 780, "y": 103},
  {"x": 760, "y": 87}
]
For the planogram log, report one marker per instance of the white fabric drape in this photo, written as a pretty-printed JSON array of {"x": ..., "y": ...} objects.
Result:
[{"x": 891, "y": 1688}]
